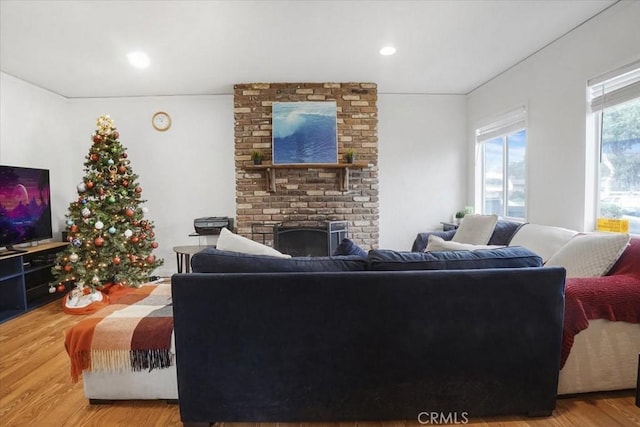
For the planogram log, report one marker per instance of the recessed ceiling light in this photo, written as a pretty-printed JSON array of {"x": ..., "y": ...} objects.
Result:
[
  {"x": 138, "y": 59},
  {"x": 387, "y": 50}
]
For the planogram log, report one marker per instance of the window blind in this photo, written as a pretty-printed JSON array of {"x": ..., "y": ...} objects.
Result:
[
  {"x": 614, "y": 88},
  {"x": 504, "y": 124}
]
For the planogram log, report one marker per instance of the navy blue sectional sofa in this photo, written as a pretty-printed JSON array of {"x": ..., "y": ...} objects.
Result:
[{"x": 392, "y": 336}]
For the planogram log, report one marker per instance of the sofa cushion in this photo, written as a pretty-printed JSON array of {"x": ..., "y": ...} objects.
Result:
[
  {"x": 589, "y": 255},
  {"x": 229, "y": 241},
  {"x": 348, "y": 247},
  {"x": 542, "y": 239},
  {"x": 504, "y": 232},
  {"x": 421, "y": 240},
  {"x": 438, "y": 244},
  {"x": 212, "y": 260},
  {"x": 475, "y": 229},
  {"x": 511, "y": 257}
]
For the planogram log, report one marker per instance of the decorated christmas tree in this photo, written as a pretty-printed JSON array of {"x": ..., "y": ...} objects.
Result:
[{"x": 111, "y": 242}]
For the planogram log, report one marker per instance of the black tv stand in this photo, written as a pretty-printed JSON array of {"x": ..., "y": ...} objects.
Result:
[{"x": 25, "y": 279}]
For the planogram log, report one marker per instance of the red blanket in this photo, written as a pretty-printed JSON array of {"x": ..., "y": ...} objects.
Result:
[
  {"x": 615, "y": 297},
  {"x": 132, "y": 333}
]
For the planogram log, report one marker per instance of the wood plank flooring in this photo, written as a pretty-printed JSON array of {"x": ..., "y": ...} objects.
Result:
[{"x": 36, "y": 390}]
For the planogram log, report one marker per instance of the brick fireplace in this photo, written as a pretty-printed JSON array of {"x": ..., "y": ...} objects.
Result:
[{"x": 307, "y": 196}]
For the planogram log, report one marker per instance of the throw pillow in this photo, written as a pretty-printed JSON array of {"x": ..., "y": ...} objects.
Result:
[
  {"x": 475, "y": 229},
  {"x": 542, "y": 239},
  {"x": 228, "y": 241},
  {"x": 513, "y": 257},
  {"x": 347, "y": 247},
  {"x": 590, "y": 255},
  {"x": 438, "y": 244}
]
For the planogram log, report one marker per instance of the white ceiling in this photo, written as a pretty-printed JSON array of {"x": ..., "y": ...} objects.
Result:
[{"x": 78, "y": 48}]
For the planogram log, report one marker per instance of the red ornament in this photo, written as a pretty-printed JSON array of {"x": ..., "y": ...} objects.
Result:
[
  {"x": 125, "y": 183},
  {"x": 154, "y": 245},
  {"x": 150, "y": 259},
  {"x": 99, "y": 241},
  {"x": 86, "y": 291},
  {"x": 115, "y": 135},
  {"x": 138, "y": 190},
  {"x": 134, "y": 239},
  {"x": 97, "y": 138},
  {"x": 122, "y": 169},
  {"x": 61, "y": 287},
  {"x": 67, "y": 268},
  {"x": 95, "y": 157},
  {"x": 89, "y": 185},
  {"x": 124, "y": 155},
  {"x": 74, "y": 228},
  {"x": 129, "y": 212},
  {"x": 116, "y": 260},
  {"x": 101, "y": 191}
]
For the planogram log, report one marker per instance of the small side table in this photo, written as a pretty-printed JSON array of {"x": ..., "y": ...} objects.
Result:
[{"x": 183, "y": 255}]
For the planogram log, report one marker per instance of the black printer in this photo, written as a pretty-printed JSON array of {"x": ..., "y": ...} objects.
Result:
[{"x": 212, "y": 224}]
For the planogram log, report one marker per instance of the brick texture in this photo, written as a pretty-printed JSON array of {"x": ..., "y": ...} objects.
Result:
[{"x": 307, "y": 196}]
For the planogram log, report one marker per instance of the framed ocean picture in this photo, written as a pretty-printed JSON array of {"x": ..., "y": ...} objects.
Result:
[{"x": 305, "y": 132}]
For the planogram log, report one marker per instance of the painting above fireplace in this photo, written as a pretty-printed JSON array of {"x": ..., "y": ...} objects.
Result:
[{"x": 305, "y": 132}]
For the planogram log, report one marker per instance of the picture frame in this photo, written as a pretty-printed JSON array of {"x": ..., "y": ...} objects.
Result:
[{"x": 304, "y": 132}]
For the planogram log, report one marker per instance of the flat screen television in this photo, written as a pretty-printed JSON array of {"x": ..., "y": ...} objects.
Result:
[{"x": 25, "y": 206}]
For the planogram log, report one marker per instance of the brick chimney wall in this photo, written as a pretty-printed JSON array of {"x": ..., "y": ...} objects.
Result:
[{"x": 307, "y": 196}]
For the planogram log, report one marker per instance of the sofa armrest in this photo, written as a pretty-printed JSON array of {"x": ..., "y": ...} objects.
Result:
[{"x": 420, "y": 243}]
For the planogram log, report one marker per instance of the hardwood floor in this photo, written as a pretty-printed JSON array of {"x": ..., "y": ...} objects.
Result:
[{"x": 36, "y": 389}]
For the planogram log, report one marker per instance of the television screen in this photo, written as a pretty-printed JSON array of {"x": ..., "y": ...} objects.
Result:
[{"x": 25, "y": 205}]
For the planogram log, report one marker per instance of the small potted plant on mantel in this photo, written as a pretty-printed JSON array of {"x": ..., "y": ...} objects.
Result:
[
  {"x": 256, "y": 156},
  {"x": 349, "y": 155}
]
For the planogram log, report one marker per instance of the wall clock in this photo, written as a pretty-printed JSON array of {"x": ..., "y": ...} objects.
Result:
[{"x": 161, "y": 121}]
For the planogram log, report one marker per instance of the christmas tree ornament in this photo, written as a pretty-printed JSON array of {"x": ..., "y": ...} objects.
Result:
[
  {"x": 98, "y": 241},
  {"x": 95, "y": 280},
  {"x": 84, "y": 201},
  {"x": 154, "y": 245},
  {"x": 97, "y": 138},
  {"x": 69, "y": 222},
  {"x": 110, "y": 162},
  {"x": 76, "y": 242},
  {"x": 115, "y": 135},
  {"x": 116, "y": 260},
  {"x": 150, "y": 259},
  {"x": 61, "y": 287},
  {"x": 128, "y": 233},
  {"x": 125, "y": 183},
  {"x": 52, "y": 289},
  {"x": 74, "y": 257},
  {"x": 122, "y": 169},
  {"x": 67, "y": 268},
  {"x": 129, "y": 212},
  {"x": 73, "y": 228},
  {"x": 86, "y": 212},
  {"x": 101, "y": 191},
  {"x": 82, "y": 187},
  {"x": 138, "y": 190},
  {"x": 112, "y": 230},
  {"x": 125, "y": 155},
  {"x": 134, "y": 239},
  {"x": 112, "y": 199},
  {"x": 95, "y": 157},
  {"x": 89, "y": 185},
  {"x": 99, "y": 225}
]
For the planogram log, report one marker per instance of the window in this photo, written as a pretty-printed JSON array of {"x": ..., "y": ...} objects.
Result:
[
  {"x": 615, "y": 103},
  {"x": 502, "y": 154}
]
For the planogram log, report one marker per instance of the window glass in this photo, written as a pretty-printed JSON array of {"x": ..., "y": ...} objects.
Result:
[
  {"x": 493, "y": 191},
  {"x": 516, "y": 144},
  {"x": 619, "y": 186}
]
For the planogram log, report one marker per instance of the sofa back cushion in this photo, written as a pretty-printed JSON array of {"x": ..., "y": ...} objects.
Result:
[
  {"x": 544, "y": 240},
  {"x": 475, "y": 229},
  {"x": 511, "y": 257},
  {"x": 212, "y": 260}
]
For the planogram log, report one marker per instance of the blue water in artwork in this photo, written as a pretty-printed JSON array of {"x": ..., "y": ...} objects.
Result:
[{"x": 304, "y": 132}]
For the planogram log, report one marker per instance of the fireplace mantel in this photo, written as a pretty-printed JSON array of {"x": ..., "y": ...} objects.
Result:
[{"x": 270, "y": 171}]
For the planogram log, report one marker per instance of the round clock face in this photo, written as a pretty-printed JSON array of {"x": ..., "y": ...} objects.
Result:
[{"x": 161, "y": 121}]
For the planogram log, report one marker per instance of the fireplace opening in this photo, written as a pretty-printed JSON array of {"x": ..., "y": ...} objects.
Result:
[{"x": 314, "y": 240}]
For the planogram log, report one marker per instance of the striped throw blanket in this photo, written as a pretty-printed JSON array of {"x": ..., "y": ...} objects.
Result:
[{"x": 133, "y": 333}]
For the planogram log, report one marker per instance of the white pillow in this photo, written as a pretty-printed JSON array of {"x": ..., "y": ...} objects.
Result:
[
  {"x": 438, "y": 244},
  {"x": 475, "y": 229},
  {"x": 229, "y": 241},
  {"x": 544, "y": 240},
  {"x": 590, "y": 255}
]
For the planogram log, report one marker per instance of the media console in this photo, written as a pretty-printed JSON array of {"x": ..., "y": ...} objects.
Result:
[{"x": 25, "y": 279}]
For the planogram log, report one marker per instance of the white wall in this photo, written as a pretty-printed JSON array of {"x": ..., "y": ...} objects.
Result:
[
  {"x": 552, "y": 83},
  {"x": 185, "y": 172},
  {"x": 422, "y": 164},
  {"x": 34, "y": 133}
]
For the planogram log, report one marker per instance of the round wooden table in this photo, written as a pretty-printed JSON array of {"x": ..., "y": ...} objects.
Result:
[{"x": 183, "y": 255}]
